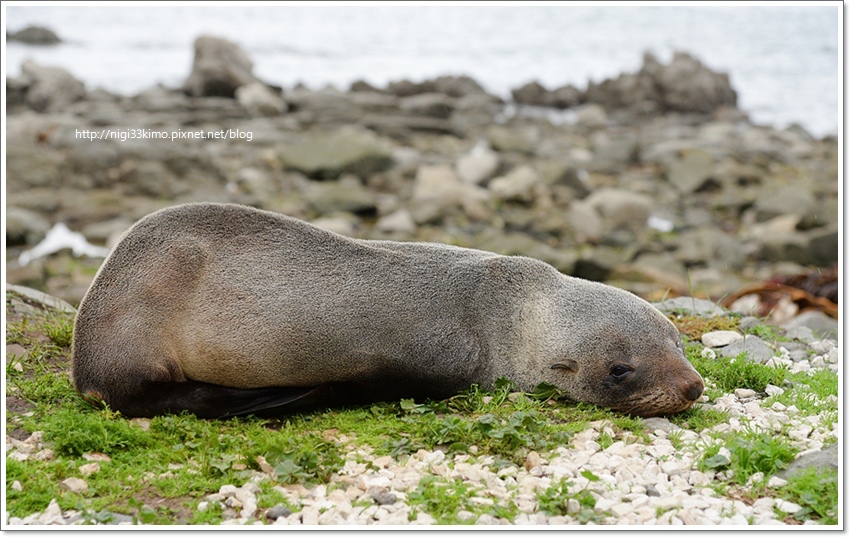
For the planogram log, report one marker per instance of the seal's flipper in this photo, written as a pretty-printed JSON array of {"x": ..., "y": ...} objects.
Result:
[{"x": 213, "y": 401}]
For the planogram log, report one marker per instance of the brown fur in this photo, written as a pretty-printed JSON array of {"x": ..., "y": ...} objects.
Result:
[{"x": 203, "y": 302}]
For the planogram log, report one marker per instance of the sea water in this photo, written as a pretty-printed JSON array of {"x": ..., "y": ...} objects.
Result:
[{"x": 782, "y": 60}]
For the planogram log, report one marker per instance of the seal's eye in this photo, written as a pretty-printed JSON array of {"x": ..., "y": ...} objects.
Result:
[{"x": 620, "y": 372}]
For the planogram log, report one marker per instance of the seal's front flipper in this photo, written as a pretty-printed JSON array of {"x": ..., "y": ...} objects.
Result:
[
  {"x": 276, "y": 401},
  {"x": 213, "y": 401}
]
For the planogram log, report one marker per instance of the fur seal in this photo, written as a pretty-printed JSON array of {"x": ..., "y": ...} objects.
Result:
[{"x": 224, "y": 310}]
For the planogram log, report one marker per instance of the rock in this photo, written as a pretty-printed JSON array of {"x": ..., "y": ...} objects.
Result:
[
  {"x": 438, "y": 191},
  {"x": 458, "y": 86},
  {"x": 534, "y": 94},
  {"x": 787, "y": 200},
  {"x": 663, "y": 424},
  {"x": 260, "y": 100},
  {"x": 518, "y": 140},
  {"x": 327, "y": 155},
  {"x": 39, "y": 299},
  {"x": 708, "y": 246},
  {"x": 218, "y": 68},
  {"x": 692, "y": 171},
  {"x": 598, "y": 264},
  {"x": 522, "y": 184},
  {"x": 384, "y": 498},
  {"x": 744, "y": 393},
  {"x": 75, "y": 484},
  {"x": 50, "y": 89},
  {"x": 690, "y": 306},
  {"x": 756, "y": 349},
  {"x": 585, "y": 223},
  {"x": 478, "y": 166},
  {"x": 822, "y": 459},
  {"x": 278, "y": 511},
  {"x": 24, "y": 226},
  {"x": 720, "y": 338},
  {"x": 436, "y": 105},
  {"x": 621, "y": 208},
  {"x": 821, "y": 244},
  {"x": 821, "y": 324},
  {"x": 613, "y": 154},
  {"x": 591, "y": 116},
  {"x": 400, "y": 221},
  {"x": 34, "y": 35},
  {"x": 347, "y": 194},
  {"x": 685, "y": 85}
]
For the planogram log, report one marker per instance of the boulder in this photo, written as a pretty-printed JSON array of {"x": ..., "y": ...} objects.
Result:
[
  {"x": 685, "y": 85},
  {"x": 585, "y": 223},
  {"x": 218, "y": 69},
  {"x": 260, "y": 100},
  {"x": 690, "y": 306},
  {"x": 50, "y": 88},
  {"x": 327, "y": 155},
  {"x": 458, "y": 86},
  {"x": 34, "y": 35}
]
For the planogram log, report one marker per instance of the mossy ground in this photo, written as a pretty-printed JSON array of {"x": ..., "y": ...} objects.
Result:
[{"x": 160, "y": 469}]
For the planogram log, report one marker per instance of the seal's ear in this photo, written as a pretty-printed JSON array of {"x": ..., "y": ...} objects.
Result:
[{"x": 567, "y": 365}]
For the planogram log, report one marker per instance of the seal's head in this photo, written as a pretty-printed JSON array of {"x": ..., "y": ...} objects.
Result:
[{"x": 613, "y": 349}]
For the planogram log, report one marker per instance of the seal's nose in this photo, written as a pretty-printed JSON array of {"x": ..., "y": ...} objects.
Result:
[{"x": 693, "y": 388}]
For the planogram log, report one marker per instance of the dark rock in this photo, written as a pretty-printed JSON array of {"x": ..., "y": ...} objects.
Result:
[
  {"x": 532, "y": 93},
  {"x": 685, "y": 85},
  {"x": 822, "y": 246},
  {"x": 458, "y": 86},
  {"x": 406, "y": 88},
  {"x": 50, "y": 88},
  {"x": 278, "y": 511},
  {"x": 35, "y": 35},
  {"x": 384, "y": 498},
  {"x": 599, "y": 263},
  {"x": 436, "y": 105},
  {"x": 362, "y": 85},
  {"x": 535, "y": 94},
  {"x": 24, "y": 226},
  {"x": 219, "y": 67}
]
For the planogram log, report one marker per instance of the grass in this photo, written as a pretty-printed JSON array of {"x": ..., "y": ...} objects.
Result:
[{"x": 158, "y": 470}]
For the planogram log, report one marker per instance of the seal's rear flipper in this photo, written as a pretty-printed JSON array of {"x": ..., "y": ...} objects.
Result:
[{"x": 213, "y": 401}]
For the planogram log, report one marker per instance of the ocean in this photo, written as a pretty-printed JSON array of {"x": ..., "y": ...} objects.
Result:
[{"x": 783, "y": 60}]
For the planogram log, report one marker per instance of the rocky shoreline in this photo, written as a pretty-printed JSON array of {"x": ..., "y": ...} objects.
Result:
[{"x": 653, "y": 181}]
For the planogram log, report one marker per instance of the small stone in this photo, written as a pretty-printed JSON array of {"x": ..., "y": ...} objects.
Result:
[
  {"x": 278, "y": 511},
  {"x": 720, "y": 338},
  {"x": 532, "y": 460},
  {"x": 88, "y": 469},
  {"x": 75, "y": 484},
  {"x": 776, "y": 482},
  {"x": 384, "y": 498},
  {"x": 787, "y": 507},
  {"x": 96, "y": 456},
  {"x": 203, "y": 506},
  {"x": 16, "y": 485},
  {"x": 744, "y": 393},
  {"x": 772, "y": 390}
]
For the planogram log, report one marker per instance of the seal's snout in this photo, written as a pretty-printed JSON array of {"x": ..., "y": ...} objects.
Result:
[{"x": 692, "y": 389}]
